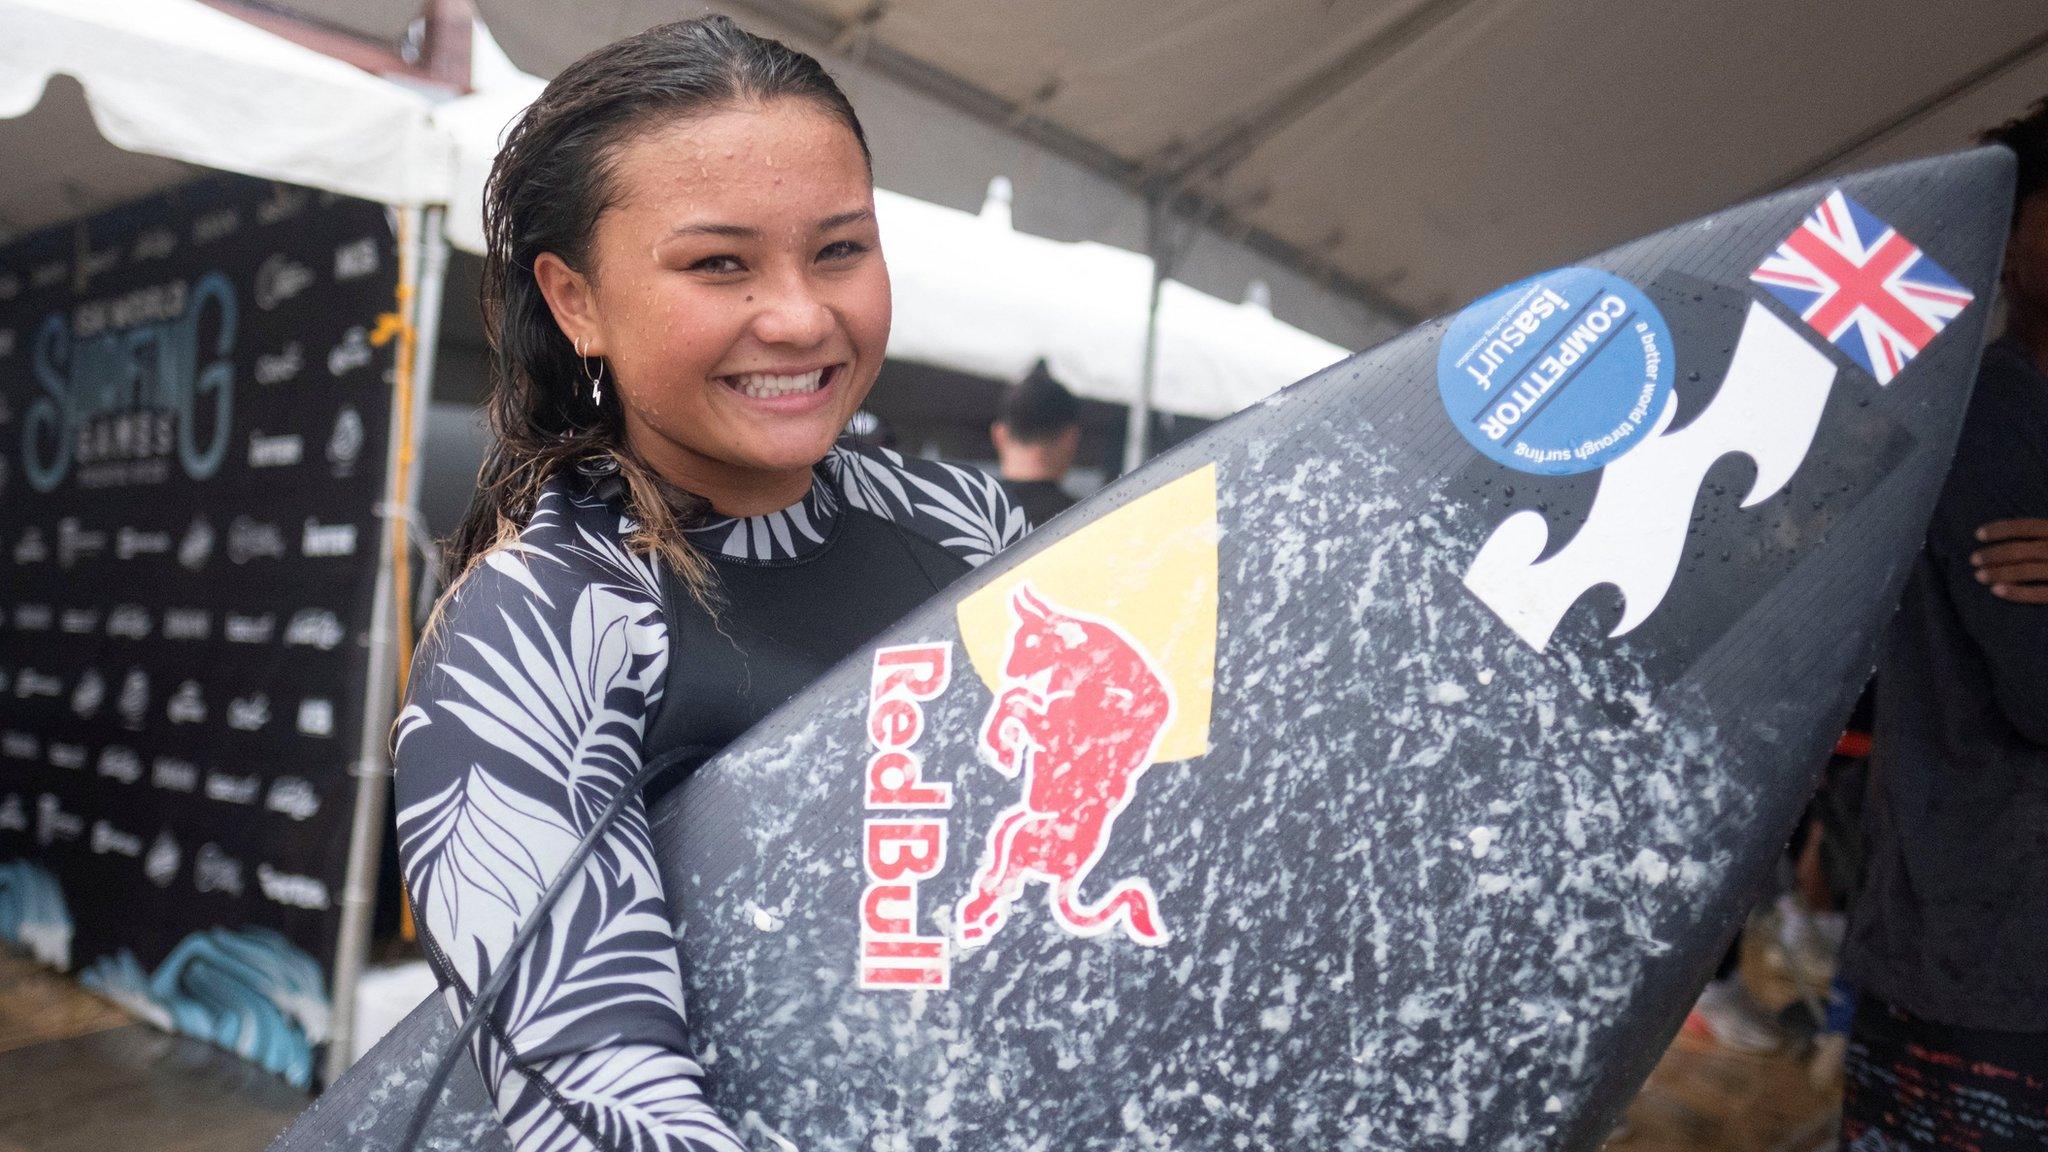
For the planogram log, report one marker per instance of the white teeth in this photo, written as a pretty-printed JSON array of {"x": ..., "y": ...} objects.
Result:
[{"x": 762, "y": 386}]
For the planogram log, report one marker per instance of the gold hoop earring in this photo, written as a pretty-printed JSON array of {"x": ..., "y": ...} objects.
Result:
[{"x": 596, "y": 381}]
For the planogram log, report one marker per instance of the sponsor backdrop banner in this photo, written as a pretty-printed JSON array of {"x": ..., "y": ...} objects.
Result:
[{"x": 194, "y": 402}]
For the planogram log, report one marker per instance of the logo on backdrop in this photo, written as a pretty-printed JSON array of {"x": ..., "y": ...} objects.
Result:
[
  {"x": 214, "y": 225},
  {"x": 197, "y": 546},
  {"x": 294, "y": 797},
  {"x": 76, "y": 542},
  {"x": 313, "y": 628},
  {"x": 253, "y": 540},
  {"x": 279, "y": 366},
  {"x": 132, "y": 542},
  {"x": 328, "y": 539},
  {"x": 89, "y": 693},
  {"x": 249, "y": 713},
  {"x": 173, "y": 774},
  {"x": 278, "y": 279},
  {"x": 154, "y": 244},
  {"x": 187, "y": 623},
  {"x": 248, "y": 628},
  {"x": 160, "y": 865},
  {"x": 345, "y": 443},
  {"x": 53, "y": 823},
  {"x": 121, "y": 418},
  {"x": 284, "y": 202},
  {"x": 276, "y": 451},
  {"x": 213, "y": 870},
  {"x": 355, "y": 258},
  {"x": 128, "y": 622},
  {"x": 316, "y": 717},
  {"x": 350, "y": 354},
  {"x": 133, "y": 703},
  {"x": 120, "y": 763},
  {"x": 186, "y": 705}
]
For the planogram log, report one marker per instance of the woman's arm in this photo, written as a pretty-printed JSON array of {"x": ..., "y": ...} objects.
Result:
[{"x": 525, "y": 716}]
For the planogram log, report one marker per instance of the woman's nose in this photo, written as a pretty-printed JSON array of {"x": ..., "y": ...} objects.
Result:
[{"x": 793, "y": 313}]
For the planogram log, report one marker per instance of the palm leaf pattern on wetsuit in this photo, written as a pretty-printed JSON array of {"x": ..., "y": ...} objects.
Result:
[
  {"x": 527, "y": 712},
  {"x": 524, "y": 728},
  {"x": 962, "y": 510}
]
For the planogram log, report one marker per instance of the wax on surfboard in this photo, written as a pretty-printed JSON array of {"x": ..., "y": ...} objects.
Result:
[{"x": 1385, "y": 768}]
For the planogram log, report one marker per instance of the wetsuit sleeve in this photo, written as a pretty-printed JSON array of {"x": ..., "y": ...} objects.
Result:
[
  {"x": 524, "y": 718},
  {"x": 2000, "y": 472}
]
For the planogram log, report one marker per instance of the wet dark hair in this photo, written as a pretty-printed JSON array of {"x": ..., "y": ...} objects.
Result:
[
  {"x": 1038, "y": 408},
  {"x": 2027, "y": 136},
  {"x": 552, "y": 180}
]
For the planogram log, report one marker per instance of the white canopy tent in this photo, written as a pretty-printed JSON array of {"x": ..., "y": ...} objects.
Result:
[
  {"x": 1415, "y": 152},
  {"x": 170, "y": 85},
  {"x": 973, "y": 295}
]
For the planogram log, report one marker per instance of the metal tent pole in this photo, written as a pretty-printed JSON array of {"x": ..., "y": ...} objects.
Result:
[
  {"x": 1138, "y": 428},
  {"x": 426, "y": 253}
]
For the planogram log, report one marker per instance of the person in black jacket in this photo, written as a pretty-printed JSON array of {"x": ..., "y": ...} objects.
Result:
[
  {"x": 1948, "y": 938},
  {"x": 1036, "y": 437}
]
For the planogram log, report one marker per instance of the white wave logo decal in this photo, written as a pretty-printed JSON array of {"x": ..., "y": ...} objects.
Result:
[{"x": 1768, "y": 409}]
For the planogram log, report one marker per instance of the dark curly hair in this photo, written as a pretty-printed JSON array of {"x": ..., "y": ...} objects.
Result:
[
  {"x": 555, "y": 176},
  {"x": 2027, "y": 136}
]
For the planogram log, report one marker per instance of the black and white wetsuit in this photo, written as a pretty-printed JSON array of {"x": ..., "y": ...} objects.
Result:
[{"x": 557, "y": 668}]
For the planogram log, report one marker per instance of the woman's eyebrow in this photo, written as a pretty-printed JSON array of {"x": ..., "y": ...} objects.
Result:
[
  {"x": 742, "y": 232},
  {"x": 736, "y": 231}
]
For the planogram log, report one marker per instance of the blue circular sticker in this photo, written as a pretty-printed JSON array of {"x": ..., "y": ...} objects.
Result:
[{"x": 1558, "y": 374}]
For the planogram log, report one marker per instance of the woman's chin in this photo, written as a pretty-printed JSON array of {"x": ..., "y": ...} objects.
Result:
[{"x": 790, "y": 450}]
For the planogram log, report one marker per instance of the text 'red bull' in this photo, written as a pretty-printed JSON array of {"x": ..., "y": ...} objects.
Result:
[
  {"x": 900, "y": 851},
  {"x": 1080, "y": 716}
]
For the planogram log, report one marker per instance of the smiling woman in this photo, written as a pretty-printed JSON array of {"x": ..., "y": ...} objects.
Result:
[{"x": 686, "y": 301}]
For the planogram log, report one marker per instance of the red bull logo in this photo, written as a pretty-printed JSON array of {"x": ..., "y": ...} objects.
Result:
[
  {"x": 1098, "y": 655},
  {"x": 1079, "y": 718},
  {"x": 904, "y": 848}
]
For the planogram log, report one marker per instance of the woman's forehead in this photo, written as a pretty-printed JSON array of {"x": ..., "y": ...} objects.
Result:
[{"x": 760, "y": 159}]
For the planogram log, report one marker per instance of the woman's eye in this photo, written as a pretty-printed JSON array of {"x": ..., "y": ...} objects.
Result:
[
  {"x": 842, "y": 250},
  {"x": 718, "y": 265}
]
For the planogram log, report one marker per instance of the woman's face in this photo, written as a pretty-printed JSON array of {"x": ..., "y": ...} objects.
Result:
[{"x": 736, "y": 289}]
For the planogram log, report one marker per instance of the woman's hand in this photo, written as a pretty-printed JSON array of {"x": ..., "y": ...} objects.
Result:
[{"x": 2016, "y": 563}]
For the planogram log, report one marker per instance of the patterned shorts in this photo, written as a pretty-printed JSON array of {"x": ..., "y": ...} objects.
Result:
[{"x": 1917, "y": 1086}]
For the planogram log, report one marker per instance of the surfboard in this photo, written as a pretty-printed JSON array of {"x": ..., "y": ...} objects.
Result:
[{"x": 1385, "y": 768}]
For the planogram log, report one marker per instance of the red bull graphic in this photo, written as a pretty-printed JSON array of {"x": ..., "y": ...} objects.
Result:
[
  {"x": 1079, "y": 717},
  {"x": 901, "y": 851}
]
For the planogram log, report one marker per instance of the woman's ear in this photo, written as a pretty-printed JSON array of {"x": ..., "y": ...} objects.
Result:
[{"x": 569, "y": 296}]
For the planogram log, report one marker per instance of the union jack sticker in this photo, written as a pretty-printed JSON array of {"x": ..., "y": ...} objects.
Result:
[{"x": 1866, "y": 289}]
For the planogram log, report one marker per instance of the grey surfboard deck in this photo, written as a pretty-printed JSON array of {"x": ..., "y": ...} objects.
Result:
[{"x": 1334, "y": 781}]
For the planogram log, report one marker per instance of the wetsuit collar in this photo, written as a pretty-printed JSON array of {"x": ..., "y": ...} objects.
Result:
[{"x": 790, "y": 533}]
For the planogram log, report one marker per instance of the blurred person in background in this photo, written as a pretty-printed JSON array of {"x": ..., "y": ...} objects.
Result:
[
  {"x": 1037, "y": 436},
  {"x": 1948, "y": 937}
]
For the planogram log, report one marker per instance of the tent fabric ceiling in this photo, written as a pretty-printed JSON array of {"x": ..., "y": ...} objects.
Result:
[
  {"x": 152, "y": 89},
  {"x": 385, "y": 21},
  {"x": 1420, "y": 151}
]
